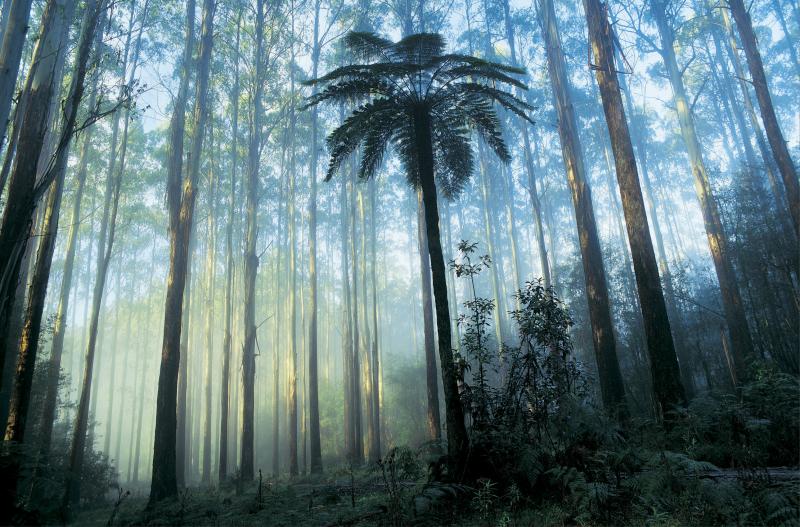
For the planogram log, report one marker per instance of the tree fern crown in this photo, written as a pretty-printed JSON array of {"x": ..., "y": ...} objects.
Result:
[{"x": 394, "y": 81}]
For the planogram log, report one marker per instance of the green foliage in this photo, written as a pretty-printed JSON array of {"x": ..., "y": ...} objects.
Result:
[
  {"x": 534, "y": 434},
  {"x": 395, "y": 84}
]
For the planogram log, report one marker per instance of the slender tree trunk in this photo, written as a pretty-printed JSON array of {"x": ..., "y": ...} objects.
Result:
[
  {"x": 209, "y": 322},
  {"x": 71, "y": 498},
  {"x": 611, "y": 384},
  {"x": 29, "y": 340},
  {"x": 250, "y": 257},
  {"x": 375, "y": 446},
  {"x": 23, "y": 190},
  {"x": 60, "y": 322},
  {"x": 347, "y": 325},
  {"x": 431, "y": 373},
  {"x": 292, "y": 387},
  {"x": 17, "y": 14},
  {"x": 181, "y": 195},
  {"x": 457, "y": 439},
  {"x": 774, "y": 133},
  {"x": 355, "y": 362},
  {"x": 742, "y": 344},
  {"x": 663, "y": 360},
  {"x": 313, "y": 382},
  {"x": 229, "y": 264}
]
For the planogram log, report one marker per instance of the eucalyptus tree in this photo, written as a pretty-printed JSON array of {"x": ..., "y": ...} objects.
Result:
[
  {"x": 229, "y": 261},
  {"x": 108, "y": 225},
  {"x": 13, "y": 41},
  {"x": 24, "y": 191},
  {"x": 774, "y": 134},
  {"x": 427, "y": 104},
  {"x": 181, "y": 197},
  {"x": 611, "y": 384},
  {"x": 665, "y": 16},
  {"x": 250, "y": 256},
  {"x": 663, "y": 361},
  {"x": 32, "y": 326}
]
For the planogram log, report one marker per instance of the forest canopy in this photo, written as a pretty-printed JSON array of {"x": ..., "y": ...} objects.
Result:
[{"x": 357, "y": 262}]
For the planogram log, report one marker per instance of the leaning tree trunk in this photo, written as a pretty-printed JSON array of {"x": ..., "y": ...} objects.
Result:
[
  {"x": 59, "y": 324},
  {"x": 664, "y": 369},
  {"x": 250, "y": 257},
  {"x": 774, "y": 133},
  {"x": 457, "y": 439},
  {"x": 742, "y": 344},
  {"x": 23, "y": 190},
  {"x": 611, "y": 384},
  {"x": 29, "y": 339},
  {"x": 181, "y": 208},
  {"x": 72, "y": 486}
]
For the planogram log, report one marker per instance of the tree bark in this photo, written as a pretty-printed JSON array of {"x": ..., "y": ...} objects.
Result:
[
  {"x": 313, "y": 382},
  {"x": 229, "y": 264},
  {"x": 250, "y": 257},
  {"x": 664, "y": 370},
  {"x": 16, "y": 27},
  {"x": 611, "y": 384},
  {"x": 773, "y": 129},
  {"x": 23, "y": 192},
  {"x": 375, "y": 446},
  {"x": 457, "y": 439},
  {"x": 181, "y": 195},
  {"x": 742, "y": 344},
  {"x": 211, "y": 227},
  {"x": 431, "y": 373}
]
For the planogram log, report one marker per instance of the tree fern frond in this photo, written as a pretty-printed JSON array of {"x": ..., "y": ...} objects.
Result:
[
  {"x": 350, "y": 91},
  {"x": 405, "y": 147},
  {"x": 375, "y": 144},
  {"x": 420, "y": 48},
  {"x": 344, "y": 140},
  {"x": 367, "y": 45},
  {"x": 454, "y": 159},
  {"x": 484, "y": 72}
]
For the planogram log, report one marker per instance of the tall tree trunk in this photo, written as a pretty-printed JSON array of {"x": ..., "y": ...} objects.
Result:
[
  {"x": 60, "y": 322},
  {"x": 226, "y": 341},
  {"x": 29, "y": 340},
  {"x": 17, "y": 14},
  {"x": 292, "y": 388},
  {"x": 457, "y": 439},
  {"x": 181, "y": 196},
  {"x": 661, "y": 350},
  {"x": 357, "y": 455},
  {"x": 211, "y": 226},
  {"x": 375, "y": 446},
  {"x": 250, "y": 257},
  {"x": 347, "y": 325},
  {"x": 23, "y": 190},
  {"x": 313, "y": 382},
  {"x": 183, "y": 444},
  {"x": 72, "y": 490},
  {"x": 774, "y": 133},
  {"x": 611, "y": 384},
  {"x": 742, "y": 344},
  {"x": 431, "y": 373}
]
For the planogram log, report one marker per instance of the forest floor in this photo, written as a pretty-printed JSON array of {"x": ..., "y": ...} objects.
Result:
[
  {"x": 362, "y": 498},
  {"x": 336, "y": 499}
]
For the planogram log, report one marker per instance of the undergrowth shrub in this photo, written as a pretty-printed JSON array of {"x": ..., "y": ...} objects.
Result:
[{"x": 533, "y": 428}]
